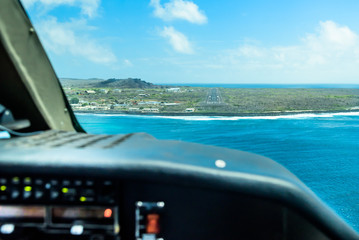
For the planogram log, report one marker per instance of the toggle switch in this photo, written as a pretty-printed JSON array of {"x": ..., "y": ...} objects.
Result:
[
  {"x": 153, "y": 225},
  {"x": 149, "y": 220}
]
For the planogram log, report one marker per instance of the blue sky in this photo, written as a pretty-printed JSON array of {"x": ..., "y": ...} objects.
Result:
[{"x": 201, "y": 41}]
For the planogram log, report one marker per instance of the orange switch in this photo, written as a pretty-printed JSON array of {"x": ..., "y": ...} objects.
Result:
[
  {"x": 153, "y": 225},
  {"x": 107, "y": 213}
]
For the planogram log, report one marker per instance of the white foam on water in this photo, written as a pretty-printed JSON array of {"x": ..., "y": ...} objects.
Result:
[
  {"x": 230, "y": 118},
  {"x": 235, "y": 118}
]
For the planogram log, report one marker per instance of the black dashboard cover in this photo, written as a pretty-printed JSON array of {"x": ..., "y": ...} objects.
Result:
[{"x": 140, "y": 156}]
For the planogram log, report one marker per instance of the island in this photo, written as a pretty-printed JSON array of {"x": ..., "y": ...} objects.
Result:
[{"x": 135, "y": 96}]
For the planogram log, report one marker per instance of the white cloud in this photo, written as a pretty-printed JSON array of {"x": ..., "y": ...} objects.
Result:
[
  {"x": 179, "y": 9},
  {"x": 62, "y": 38},
  {"x": 250, "y": 51},
  {"x": 28, "y": 3},
  {"x": 127, "y": 63},
  {"x": 88, "y": 7},
  {"x": 178, "y": 40},
  {"x": 331, "y": 46},
  {"x": 333, "y": 35}
]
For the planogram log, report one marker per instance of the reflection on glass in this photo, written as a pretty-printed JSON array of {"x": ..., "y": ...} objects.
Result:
[
  {"x": 22, "y": 212},
  {"x": 81, "y": 213}
]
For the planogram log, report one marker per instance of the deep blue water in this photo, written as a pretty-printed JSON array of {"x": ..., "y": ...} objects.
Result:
[{"x": 321, "y": 149}]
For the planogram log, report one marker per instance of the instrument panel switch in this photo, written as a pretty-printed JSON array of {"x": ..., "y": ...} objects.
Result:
[
  {"x": 149, "y": 237},
  {"x": 153, "y": 225},
  {"x": 54, "y": 195},
  {"x": 15, "y": 180},
  {"x": 15, "y": 194},
  {"x": 27, "y": 194},
  {"x": 7, "y": 229},
  {"x": 148, "y": 220},
  {"x": 77, "y": 230},
  {"x": 39, "y": 194}
]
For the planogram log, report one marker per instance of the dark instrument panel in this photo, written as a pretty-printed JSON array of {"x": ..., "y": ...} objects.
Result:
[
  {"x": 39, "y": 207},
  {"x": 59, "y": 207}
]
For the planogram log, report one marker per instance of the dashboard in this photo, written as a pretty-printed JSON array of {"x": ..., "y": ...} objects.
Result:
[
  {"x": 68, "y": 185},
  {"x": 39, "y": 207},
  {"x": 34, "y": 207}
]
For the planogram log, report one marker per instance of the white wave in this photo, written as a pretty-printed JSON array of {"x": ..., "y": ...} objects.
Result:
[
  {"x": 110, "y": 115},
  {"x": 346, "y": 114},
  {"x": 230, "y": 118},
  {"x": 235, "y": 118},
  {"x": 219, "y": 118}
]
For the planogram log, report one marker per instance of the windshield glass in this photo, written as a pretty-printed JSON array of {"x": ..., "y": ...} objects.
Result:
[{"x": 274, "y": 78}]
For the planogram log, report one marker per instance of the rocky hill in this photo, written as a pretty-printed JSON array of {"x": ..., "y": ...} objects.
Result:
[
  {"x": 109, "y": 83},
  {"x": 124, "y": 83}
]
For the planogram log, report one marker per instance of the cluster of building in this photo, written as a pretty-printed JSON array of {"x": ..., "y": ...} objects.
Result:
[
  {"x": 120, "y": 107},
  {"x": 129, "y": 105}
]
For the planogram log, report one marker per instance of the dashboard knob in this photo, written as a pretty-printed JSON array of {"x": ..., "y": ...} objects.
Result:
[
  {"x": 7, "y": 229},
  {"x": 77, "y": 230}
]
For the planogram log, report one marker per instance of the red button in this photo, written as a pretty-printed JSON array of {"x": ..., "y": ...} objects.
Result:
[{"x": 153, "y": 225}]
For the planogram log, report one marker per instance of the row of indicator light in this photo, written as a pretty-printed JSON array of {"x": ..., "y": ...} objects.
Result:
[
  {"x": 82, "y": 198},
  {"x": 29, "y": 189},
  {"x": 27, "y": 180},
  {"x": 26, "y": 188}
]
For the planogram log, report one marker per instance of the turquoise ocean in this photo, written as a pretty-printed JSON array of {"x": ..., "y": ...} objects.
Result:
[{"x": 321, "y": 149}]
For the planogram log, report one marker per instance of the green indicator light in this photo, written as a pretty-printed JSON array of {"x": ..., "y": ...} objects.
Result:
[
  {"x": 15, "y": 179},
  {"x": 27, "y": 189},
  {"x": 65, "y": 190},
  {"x": 82, "y": 199},
  {"x": 3, "y": 188},
  {"x": 27, "y": 179}
]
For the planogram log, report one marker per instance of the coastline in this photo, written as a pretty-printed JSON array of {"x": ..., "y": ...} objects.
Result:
[{"x": 214, "y": 114}]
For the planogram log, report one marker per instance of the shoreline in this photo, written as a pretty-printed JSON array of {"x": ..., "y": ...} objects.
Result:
[{"x": 218, "y": 114}]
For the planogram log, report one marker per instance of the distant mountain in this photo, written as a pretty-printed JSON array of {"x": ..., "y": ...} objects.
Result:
[
  {"x": 109, "y": 83},
  {"x": 125, "y": 83}
]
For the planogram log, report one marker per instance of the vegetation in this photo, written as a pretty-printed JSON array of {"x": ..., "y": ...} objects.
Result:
[
  {"x": 107, "y": 96},
  {"x": 74, "y": 100},
  {"x": 271, "y": 100}
]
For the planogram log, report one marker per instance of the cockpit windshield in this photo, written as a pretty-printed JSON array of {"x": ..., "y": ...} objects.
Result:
[{"x": 277, "y": 78}]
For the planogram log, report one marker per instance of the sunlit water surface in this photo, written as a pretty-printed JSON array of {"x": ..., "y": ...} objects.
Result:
[{"x": 321, "y": 149}]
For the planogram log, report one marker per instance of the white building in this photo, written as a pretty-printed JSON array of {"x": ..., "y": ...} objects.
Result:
[
  {"x": 150, "y": 110},
  {"x": 148, "y": 103},
  {"x": 171, "y": 104},
  {"x": 90, "y": 91},
  {"x": 173, "y": 90},
  {"x": 75, "y": 105}
]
